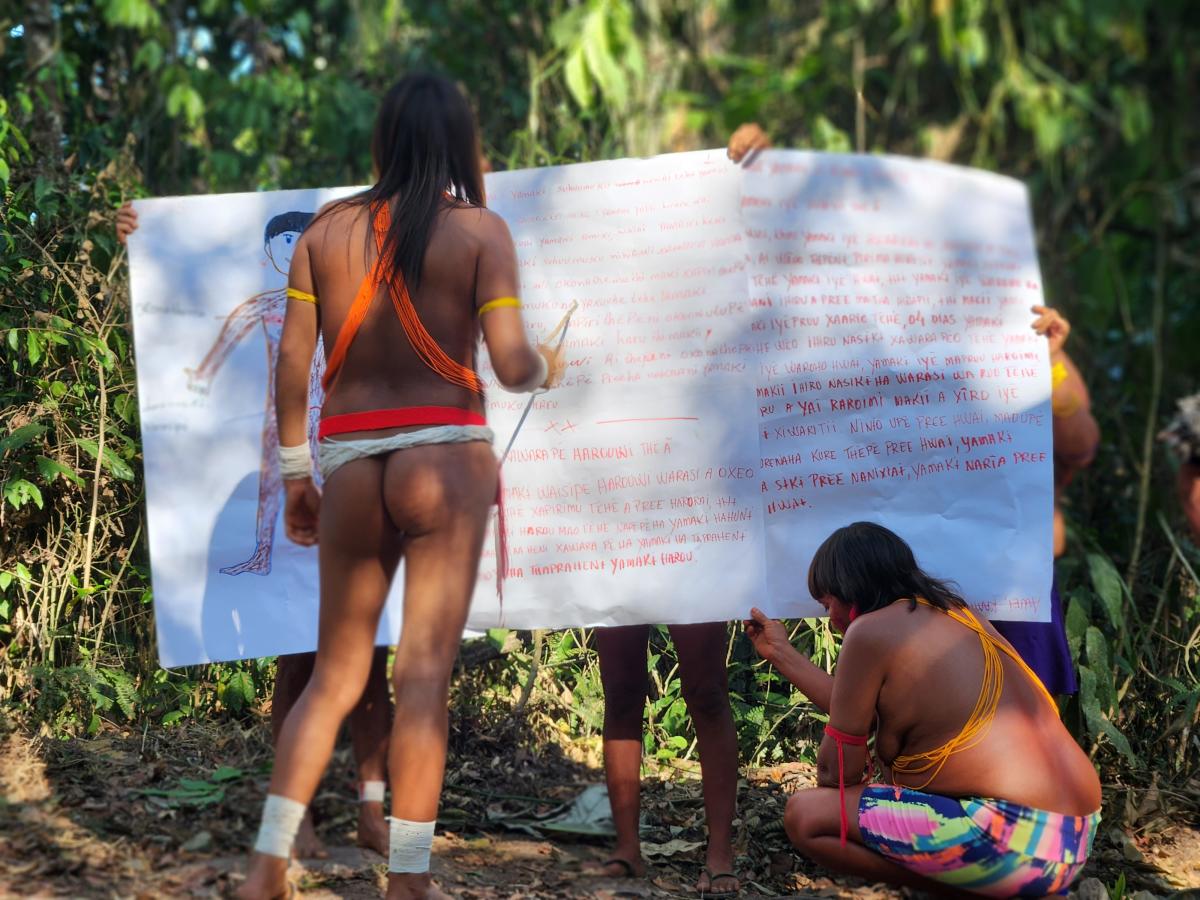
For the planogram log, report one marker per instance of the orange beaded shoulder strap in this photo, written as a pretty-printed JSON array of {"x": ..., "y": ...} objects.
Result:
[
  {"x": 428, "y": 349},
  {"x": 984, "y": 712}
]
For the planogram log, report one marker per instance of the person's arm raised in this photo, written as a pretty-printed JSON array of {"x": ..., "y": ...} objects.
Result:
[
  {"x": 297, "y": 345},
  {"x": 770, "y": 640},
  {"x": 517, "y": 364},
  {"x": 1076, "y": 434}
]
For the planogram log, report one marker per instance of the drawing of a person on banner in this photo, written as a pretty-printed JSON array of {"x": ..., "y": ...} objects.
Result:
[{"x": 265, "y": 311}]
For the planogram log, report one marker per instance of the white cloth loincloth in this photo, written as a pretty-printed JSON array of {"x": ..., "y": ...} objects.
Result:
[{"x": 332, "y": 455}]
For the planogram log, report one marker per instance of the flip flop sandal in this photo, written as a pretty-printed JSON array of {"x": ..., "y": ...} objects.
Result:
[{"x": 712, "y": 880}]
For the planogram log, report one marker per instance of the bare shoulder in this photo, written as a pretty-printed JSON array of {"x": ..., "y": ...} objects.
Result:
[
  {"x": 335, "y": 224},
  {"x": 883, "y": 628},
  {"x": 480, "y": 222},
  {"x": 988, "y": 626},
  {"x": 334, "y": 216},
  {"x": 873, "y": 632}
]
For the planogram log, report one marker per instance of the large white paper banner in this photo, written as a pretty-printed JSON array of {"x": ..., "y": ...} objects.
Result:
[
  {"x": 759, "y": 355},
  {"x": 903, "y": 382}
]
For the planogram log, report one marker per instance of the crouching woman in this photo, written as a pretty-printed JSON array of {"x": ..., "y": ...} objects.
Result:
[{"x": 982, "y": 790}]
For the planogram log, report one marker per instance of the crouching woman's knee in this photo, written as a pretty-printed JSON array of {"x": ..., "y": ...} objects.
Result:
[{"x": 800, "y": 819}]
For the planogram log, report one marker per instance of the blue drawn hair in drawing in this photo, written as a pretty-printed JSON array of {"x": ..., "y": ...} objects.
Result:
[{"x": 284, "y": 222}]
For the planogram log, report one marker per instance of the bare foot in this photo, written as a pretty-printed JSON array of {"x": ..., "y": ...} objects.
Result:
[
  {"x": 713, "y": 883},
  {"x": 414, "y": 887},
  {"x": 372, "y": 828},
  {"x": 617, "y": 867},
  {"x": 266, "y": 879},
  {"x": 307, "y": 845}
]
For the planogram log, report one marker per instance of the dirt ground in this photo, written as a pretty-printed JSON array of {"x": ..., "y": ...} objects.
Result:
[{"x": 169, "y": 813}]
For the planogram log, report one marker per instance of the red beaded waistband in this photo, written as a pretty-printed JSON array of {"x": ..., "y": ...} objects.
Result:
[{"x": 376, "y": 419}]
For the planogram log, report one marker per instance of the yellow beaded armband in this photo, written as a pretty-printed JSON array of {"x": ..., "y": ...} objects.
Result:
[
  {"x": 499, "y": 303},
  {"x": 1058, "y": 374},
  {"x": 1062, "y": 406},
  {"x": 295, "y": 294}
]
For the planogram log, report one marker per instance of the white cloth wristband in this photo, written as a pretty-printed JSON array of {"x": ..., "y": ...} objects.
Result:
[
  {"x": 295, "y": 462},
  {"x": 535, "y": 381},
  {"x": 371, "y": 791},
  {"x": 409, "y": 844},
  {"x": 280, "y": 821}
]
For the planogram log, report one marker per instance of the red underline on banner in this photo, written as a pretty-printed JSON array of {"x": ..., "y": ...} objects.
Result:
[{"x": 667, "y": 419}]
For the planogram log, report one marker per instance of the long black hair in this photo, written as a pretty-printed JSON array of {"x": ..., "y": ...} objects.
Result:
[
  {"x": 870, "y": 567},
  {"x": 425, "y": 145}
]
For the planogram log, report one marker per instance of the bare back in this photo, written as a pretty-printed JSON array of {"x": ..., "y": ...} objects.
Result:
[
  {"x": 381, "y": 370},
  {"x": 932, "y": 672}
]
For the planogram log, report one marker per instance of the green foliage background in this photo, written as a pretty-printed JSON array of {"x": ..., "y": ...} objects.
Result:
[{"x": 1090, "y": 103}]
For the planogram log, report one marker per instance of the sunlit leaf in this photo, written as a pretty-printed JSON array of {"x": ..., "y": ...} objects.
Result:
[
  {"x": 972, "y": 47},
  {"x": 497, "y": 637},
  {"x": 125, "y": 406},
  {"x": 184, "y": 101},
  {"x": 1097, "y": 656},
  {"x": 18, "y": 492},
  {"x": 139, "y": 14},
  {"x": 1077, "y": 625},
  {"x": 601, "y": 65},
  {"x": 33, "y": 347},
  {"x": 1108, "y": 585},
  {"x": 19, "y": 437},
  {"x": 577, "y": 79},
  {"x": 1134, "y": 112},
  {"x": 149, "y": 56},
  {"x": 827, "y": 136},
  {"x": 51, "y": 469},
  {"x": 564, "y": 30},
  {"x": 116, "y": 466},
  {"x": 239, "y": 689}
]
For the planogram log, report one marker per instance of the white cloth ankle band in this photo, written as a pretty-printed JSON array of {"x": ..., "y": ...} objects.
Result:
[
  {"x": 280, "y": 821},
  {"x": 410, "y": 843},
  {"x": 371, "y": 791},
  {"x": 295, "y": 462}
]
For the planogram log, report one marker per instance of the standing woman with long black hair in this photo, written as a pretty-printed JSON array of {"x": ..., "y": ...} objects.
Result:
[{"x": 397, "y": 281}]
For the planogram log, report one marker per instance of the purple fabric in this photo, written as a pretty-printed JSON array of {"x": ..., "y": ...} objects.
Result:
[{"x": 1043, "y": 646}]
